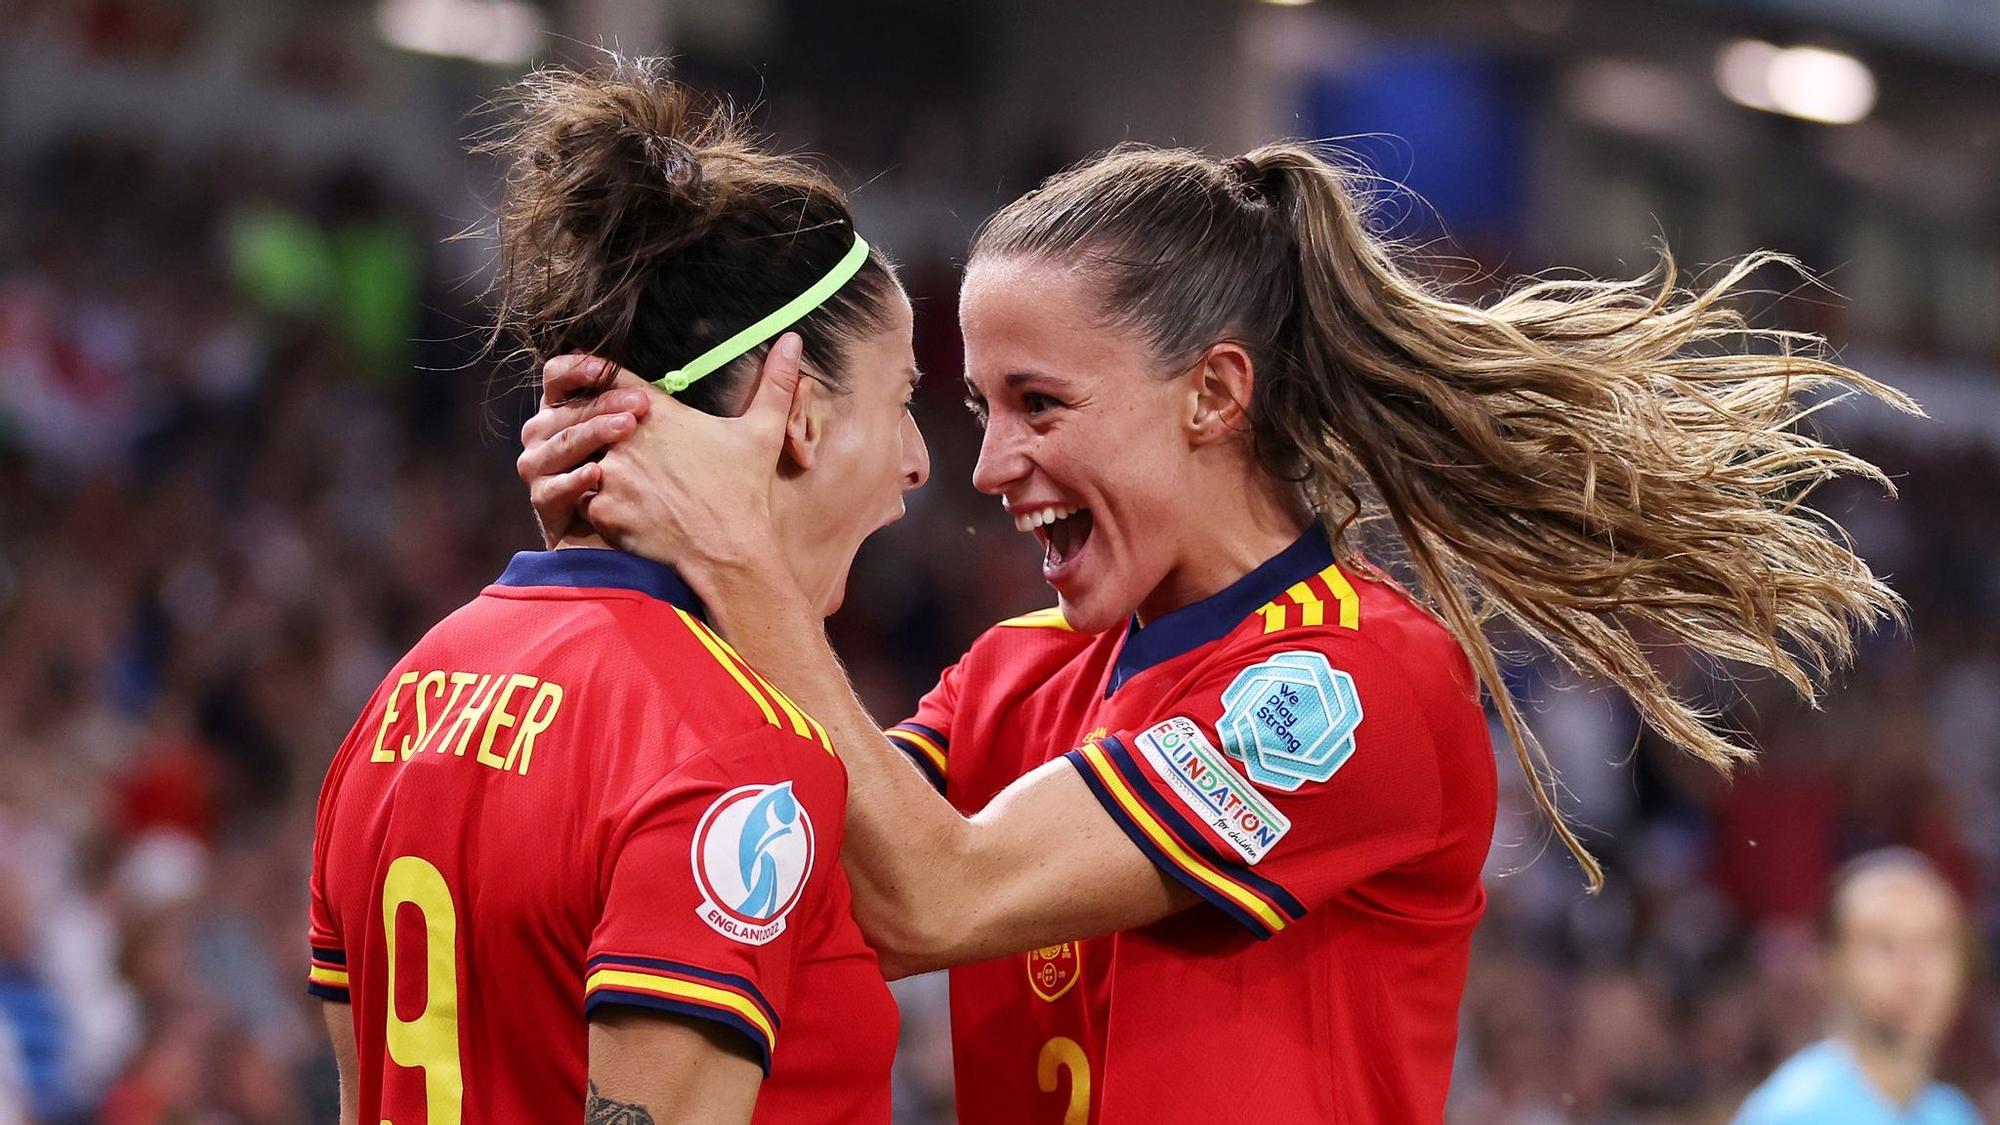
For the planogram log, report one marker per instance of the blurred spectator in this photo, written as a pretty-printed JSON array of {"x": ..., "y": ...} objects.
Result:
[{"x": 1897, "y": 959}]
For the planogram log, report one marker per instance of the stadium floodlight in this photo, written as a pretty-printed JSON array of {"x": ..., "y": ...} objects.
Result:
[
  {"x": 496, "y": 32},
  {"x": 1809, "y": 83}
]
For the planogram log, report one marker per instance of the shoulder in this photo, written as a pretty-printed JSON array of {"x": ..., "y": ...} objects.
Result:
[
  {"x": 1023, "y": 649},
  {"x": 1029, "y": 634},
  {"x": 1359, "y": 613},
  {"x": 658, "y": 680},
  {"x": 1365, "y": 647},
  {"x": 761, "y": 768},
  {"x": 683, "y": 665},
  {"x": 1945, "y": 1104},
  {"x": 1301, "y": 694},
  {"x": 1802, "y": 1089}
]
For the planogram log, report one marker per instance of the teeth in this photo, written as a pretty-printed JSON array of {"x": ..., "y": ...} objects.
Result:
[{"x": 1042, "y": 517}]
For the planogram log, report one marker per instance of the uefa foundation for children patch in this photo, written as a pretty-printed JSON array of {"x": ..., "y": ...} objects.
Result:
[{"x": 1291, "y": 720}]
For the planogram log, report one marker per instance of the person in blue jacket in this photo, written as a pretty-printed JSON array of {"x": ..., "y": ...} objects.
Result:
[{"x": 1898, "y": 958}]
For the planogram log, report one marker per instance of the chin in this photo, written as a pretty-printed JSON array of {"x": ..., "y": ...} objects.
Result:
[{"x": 1091, "y": 615}]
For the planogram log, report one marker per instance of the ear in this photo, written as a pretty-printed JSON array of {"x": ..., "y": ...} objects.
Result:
[
  {"x": 805, "y": 425},
  {"x": 1223, "y": 383}
]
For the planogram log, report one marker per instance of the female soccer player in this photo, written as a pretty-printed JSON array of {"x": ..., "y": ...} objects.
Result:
[
  {"x": 572, "y": 798},
  {"x": 1242, "y": 765}
]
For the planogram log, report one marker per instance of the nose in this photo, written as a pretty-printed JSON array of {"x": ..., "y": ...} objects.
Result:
[
  {"x": 1002, "y": 458},
  {"x": 916, "y": 457}
]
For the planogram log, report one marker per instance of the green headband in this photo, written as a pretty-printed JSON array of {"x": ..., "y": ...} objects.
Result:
[{"x": 674, "y": 382}]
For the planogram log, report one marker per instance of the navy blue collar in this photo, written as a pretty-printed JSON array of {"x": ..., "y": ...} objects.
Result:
[
  {"x": 1210, "y": 619},
  {"x": 595, "y": 568}
]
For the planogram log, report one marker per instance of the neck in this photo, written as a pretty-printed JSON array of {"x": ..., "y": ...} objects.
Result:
[
  {"x": 582, "y": 538},
  {"x": 1895, "y": 1067},
  {"x": 1239, "y": 527}
]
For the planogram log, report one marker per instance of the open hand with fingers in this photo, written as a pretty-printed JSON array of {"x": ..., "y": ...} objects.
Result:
[
  {"x": 673, "y": 484},
  {"x": 588, "y": 405}
]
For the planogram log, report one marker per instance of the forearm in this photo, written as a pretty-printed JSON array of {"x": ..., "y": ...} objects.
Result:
[{"x": 909, "y": 855}]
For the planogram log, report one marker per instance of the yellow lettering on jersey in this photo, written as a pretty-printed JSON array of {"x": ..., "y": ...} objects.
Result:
[
  {"x": 487, "y": 712},
  {"x": 541, "y": 712},
  {"x": 389, "y": 715},
  {"x": 412, "y": 744},
  {"x": 500, "y": 718},
  {"x": 459, "y": 681},
  {"x": 1057, "y": 1055},
  {"x": 475, "y": 710}
]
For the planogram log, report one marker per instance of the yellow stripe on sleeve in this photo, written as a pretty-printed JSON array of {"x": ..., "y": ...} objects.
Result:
[
  {"x": 1350, "y": 602},
  {"x": 803, "y": 725},
  {"x": 320, "y": 974},
  {"x": 711, "y": 642},
  {"x": 1143, "y": 817},
  {"x": 784, "y": 702},
  {"x": 686, "y": 990},
  {"x": 819, "y": 732},
  {"x": 917, "y": 741}
]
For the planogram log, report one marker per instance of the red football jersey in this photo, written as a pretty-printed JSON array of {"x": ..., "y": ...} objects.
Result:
[
  {"x": 1307, "y": 752},
  {"x": 573, "y": 794}
]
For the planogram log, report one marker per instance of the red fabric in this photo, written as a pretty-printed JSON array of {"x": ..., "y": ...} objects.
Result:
[
  {"x": 1774, "y": 843},
  {"x": 1349, "y": 1012},
  {"x": 172, "y": 786},
  {"x": 586, "y": 860}
]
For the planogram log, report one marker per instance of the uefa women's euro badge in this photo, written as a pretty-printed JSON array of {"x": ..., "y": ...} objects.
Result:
[
  {"x": 752, "y": 852},
  {"x": 1290, "y": 720}
]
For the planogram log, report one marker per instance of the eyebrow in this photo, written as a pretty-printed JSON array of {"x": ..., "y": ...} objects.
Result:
[{"x": 1015, "y": 379}]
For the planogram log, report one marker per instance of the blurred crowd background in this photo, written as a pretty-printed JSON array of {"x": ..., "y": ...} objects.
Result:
[{"x": 250, "y": 450}]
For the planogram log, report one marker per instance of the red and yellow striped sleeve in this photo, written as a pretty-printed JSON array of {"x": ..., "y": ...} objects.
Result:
[
  {"x": 326, "y": 974},
  {"x": 926, "y": 746},
  {"x": 685, "y": 990},
  {"x": 1138, "y": 803}
]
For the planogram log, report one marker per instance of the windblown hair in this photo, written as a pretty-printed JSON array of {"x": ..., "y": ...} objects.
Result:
[
  {"x": 1600, "y": 465},
  {"x": 644, "y": 223}
]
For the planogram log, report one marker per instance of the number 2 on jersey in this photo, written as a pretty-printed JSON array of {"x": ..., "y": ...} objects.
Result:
[
  {"x": 429, "y": 1042},
  {"x": 1063, "y": 1053}
]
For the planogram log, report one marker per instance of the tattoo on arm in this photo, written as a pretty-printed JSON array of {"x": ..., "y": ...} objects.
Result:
[{"x": 600, "y": 1110}]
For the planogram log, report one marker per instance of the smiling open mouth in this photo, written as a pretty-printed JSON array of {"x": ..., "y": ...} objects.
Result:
[{"x": 1062, "y": 533}]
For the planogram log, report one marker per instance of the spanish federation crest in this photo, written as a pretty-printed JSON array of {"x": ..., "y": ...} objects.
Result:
[
  {"x": 1054, "y": 969},
  {"x": 1291, "y": 720},
  {"x": 752, "y": 852}
]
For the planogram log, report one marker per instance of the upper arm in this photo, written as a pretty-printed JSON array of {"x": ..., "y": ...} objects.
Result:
[
  {"x": 1285, "y": 777},
  {"x": 1219, "y": 798},
  {"x": 717, "y": 878},
  {"x": 646, "y": 1070},
  {"x": 340, "y": 1027}
]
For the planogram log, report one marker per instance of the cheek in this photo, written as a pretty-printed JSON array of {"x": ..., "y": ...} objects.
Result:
[{"x": 863, "y": 460}]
